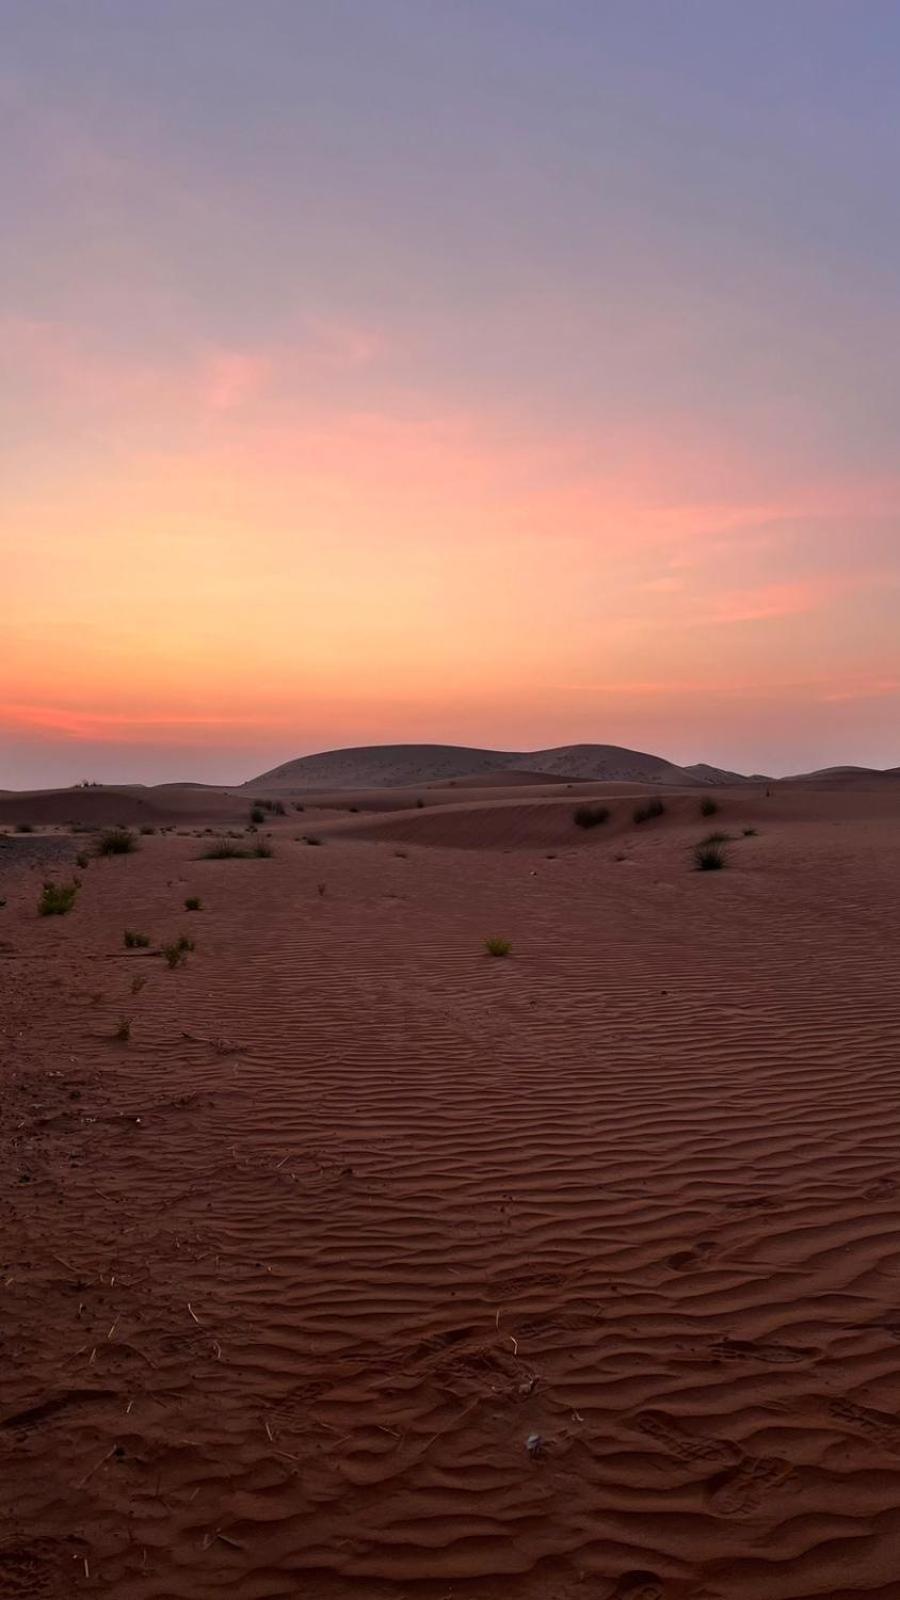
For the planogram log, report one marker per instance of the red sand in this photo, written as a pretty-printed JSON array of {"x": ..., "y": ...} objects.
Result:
[{"x": 291, "y": 1277}]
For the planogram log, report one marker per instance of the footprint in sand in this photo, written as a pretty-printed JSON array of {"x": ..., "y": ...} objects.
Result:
[
  {"x": 761, "y": 1350},
  {"x": 741, "y": 1490},
  {"x": 638, "y": 1585},
  {"x": 683, "y": 1259},
  {"x": 679, "y": 1442}
]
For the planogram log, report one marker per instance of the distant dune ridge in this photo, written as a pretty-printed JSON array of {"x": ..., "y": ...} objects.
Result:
[{"x": 400, "y": 765}]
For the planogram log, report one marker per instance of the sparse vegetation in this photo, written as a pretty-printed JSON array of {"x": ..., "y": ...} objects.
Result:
[
  {"x": 192, "y": 903},
  {"x": 298, "y": 806},
  {"x": 717, "y": 838},
  {"x": 497, "y": 947},
  {"x": 177, "y": 952},
  {"x": 146, "y": 829},
  {"x": 649, "y": 810},
  {"x": 750, "y": 833},
  {"x": 135, "y": 941},
  {"x": 420, "y": 804},
  {"x": 709, "y": 856},
  {"x": 708, "y": 806},
  {"x": 590, "y": 816},
  {"x": 321, "y": 888},
  {"x": 82, "y": 860},
  {"x": 263, "y": 849},
  {"x": 312, "y": 838},
  {"x": 24, "y": 827},
  {"x": 257, "y": 815},
  {"x": 123, "y": 1030},
  {"x": 137, "y": 983},
  {"x": 116, "y": 842},
  {"x": 224, "y": 850},
  {"x": 57, "y": 899}
]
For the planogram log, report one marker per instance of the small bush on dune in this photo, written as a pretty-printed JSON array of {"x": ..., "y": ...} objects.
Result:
[
  {"x": 590, "y": 816},
  {"x": 137, "y": 983},
  {"x": 192, "y": 903},
  {"x": 147, "y": 830},
  {"x": 224, "y": 851},
  {"x": 717, "y": 838},
  {"x": 82, "y": 860},
  {"x": 708, "y": 807},
  {"x": 709, "y": 856},
  {"x": 57, "y": 899},
  {"x": 311, "y": 838},
  {"x": 497, "y": 947},
  {"x": 750, "y": 833},
  {"x": 135, "y": 941},
  {"x": 651, "y": 809},
  {"x": 420, "y": 805},
  {"x": 123, "y": 1030},
  {"x": 263, "y": 849},
  {"x": 116, "y": 842},
  {"x": 278, "y": 809},
  {"x": 24, "y": 827},
  {"x": 177, "y": 952},
  {"x": 298, "y": 806},
  {"x": 257, "y": 815}
]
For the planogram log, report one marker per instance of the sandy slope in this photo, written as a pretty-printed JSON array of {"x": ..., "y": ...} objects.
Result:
[{"x": 291, "y": 1278}]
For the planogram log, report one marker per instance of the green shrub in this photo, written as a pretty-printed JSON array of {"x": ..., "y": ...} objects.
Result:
[
  {"x": 116, "y": 842},
  {"x": 708, "y": 807},
  {"x": 650, "y": 809},
  {"x": 135, "y": 941},
  {"x": 709, "y": 856},
  {"x": 590, "y": 816},
  {"x": 57, "y": 899},
  {"x": 497, "y": 947}
]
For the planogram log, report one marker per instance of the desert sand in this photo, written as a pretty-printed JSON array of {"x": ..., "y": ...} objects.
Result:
[{"x": 369, "y": 1267}]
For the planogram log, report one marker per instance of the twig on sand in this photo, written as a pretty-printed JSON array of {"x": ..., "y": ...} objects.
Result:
[
  {"x": 96, "y": 1468},
  {"x": 194, "y": 1315}
]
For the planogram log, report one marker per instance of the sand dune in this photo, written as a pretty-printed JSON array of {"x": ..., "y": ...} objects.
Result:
[
  {"x": 401, "y": 765},
  {"x": 371, "y": 1267}
]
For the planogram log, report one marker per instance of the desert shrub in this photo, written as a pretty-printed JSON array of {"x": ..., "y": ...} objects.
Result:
[
  {"x": 278, "y": 808},
  {"x": 137, "y": 983},
  {"x": 82, "y": 860},
  {"x": 649, "y": 810},
  {"x": 420, "y": 805},
  {"x": 312, "y": 838},
  {"x": 709, "y": 856},
  {"x": 708, "y": 807},
  {"x": 590, "y": 816},
  {"x": 263, "y": 849},
  {"x": 24, "y": 827},
  {"x": 147, "y": 830},
  {"x": 123, "y": 1029},
  {"x": 717, "y": 838},
  {"x": 497, "y": 947},
  {"x": 135, "y": 941},
  {"x": 298, "y": 806},
  {"x": 177, "y": 952},
  {"x": 224, "y": 850},
  {"x": 57, "y": 899},
  {"x": 116, "y": 842},
  {"x": 750, "y": 833},
  {"x": 257, "y": 815},
  {"x": 192, "y": 903}
]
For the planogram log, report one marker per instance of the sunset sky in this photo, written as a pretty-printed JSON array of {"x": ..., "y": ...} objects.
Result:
[{"x": 506, "y": 372}]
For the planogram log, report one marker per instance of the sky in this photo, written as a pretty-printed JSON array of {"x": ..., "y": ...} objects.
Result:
[{"x": 502, "y": 372}]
